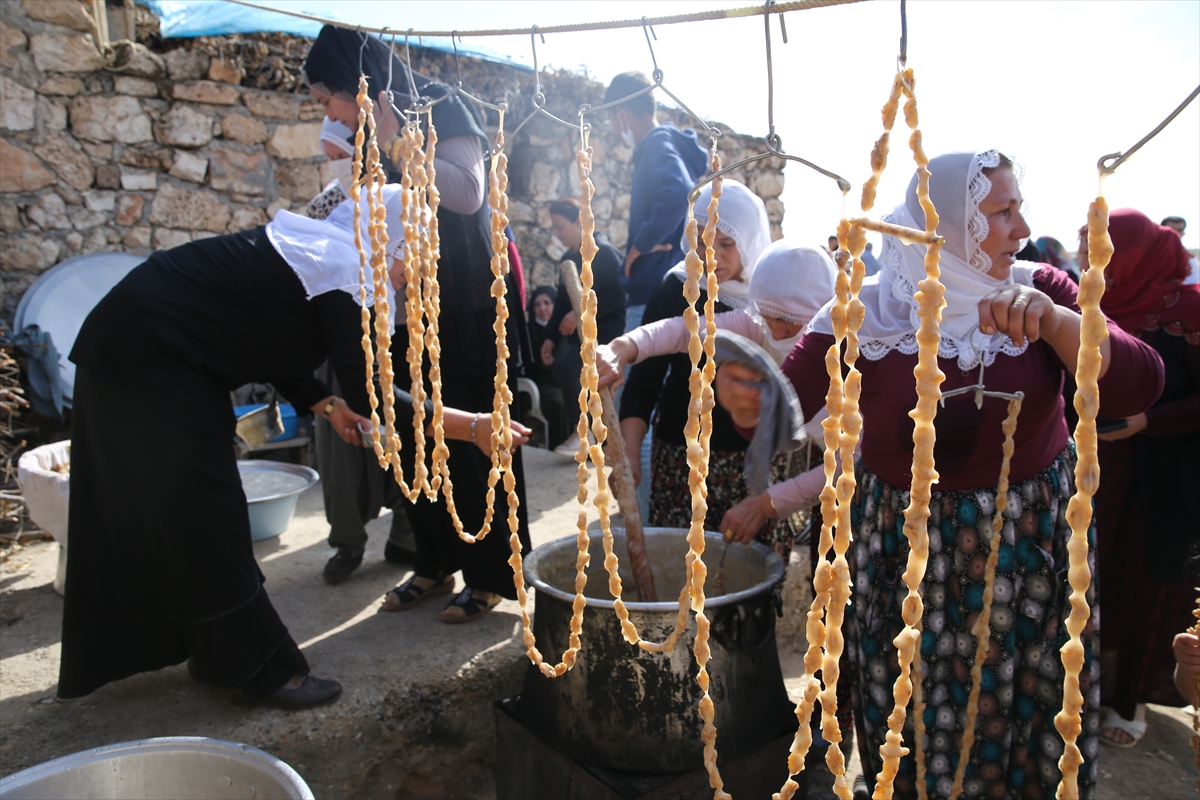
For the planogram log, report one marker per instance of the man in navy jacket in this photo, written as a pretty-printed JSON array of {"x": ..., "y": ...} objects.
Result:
[{"x": 667, "y": 163}]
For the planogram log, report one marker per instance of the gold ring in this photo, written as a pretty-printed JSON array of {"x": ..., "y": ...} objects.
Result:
[{"x": 1020, "y": 302}]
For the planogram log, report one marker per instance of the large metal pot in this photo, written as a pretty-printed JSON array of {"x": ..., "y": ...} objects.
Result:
[
  {"x": 175, "y": 766},
  {"x": 625, "y": 709}
]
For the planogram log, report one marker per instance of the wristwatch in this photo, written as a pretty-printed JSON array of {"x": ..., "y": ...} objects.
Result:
[{"x": 328, "y": 409}]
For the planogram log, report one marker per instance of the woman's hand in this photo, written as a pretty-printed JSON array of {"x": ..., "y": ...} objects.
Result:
[
  {"x": 483, "y": 433},
  {"x": 633, "y": 431},
  {"x": 743, "y": 522},
  {"x": 547, "y": 353},
  {"x": 613, "y": 358},
  {"x": 1187, "y": 651},
  {"x": 1024, "y": 314},
  {"x": 568, "y": 324},
  {"x": 1135, "y": 425},
  {"x": 344, "y": 421},
  {"x": 739, "y": 393}
]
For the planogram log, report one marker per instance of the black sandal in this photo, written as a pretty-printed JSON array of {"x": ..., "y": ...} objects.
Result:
[
  {"x": 408, "y": 594},
  {"x": 472, "y": 607}
]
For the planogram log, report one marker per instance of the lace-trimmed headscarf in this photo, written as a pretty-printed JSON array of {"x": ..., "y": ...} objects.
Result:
[
  {"x": 322, "y": 252},
  {"x": 957, "y": 186},
  {"x": 741, "y": 216}
]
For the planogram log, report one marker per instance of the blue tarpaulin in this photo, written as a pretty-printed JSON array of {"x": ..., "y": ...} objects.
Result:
[{"x": 186, "y": 19}]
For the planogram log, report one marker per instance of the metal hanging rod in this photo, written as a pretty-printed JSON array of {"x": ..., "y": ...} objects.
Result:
[
  {"x": 1107, "y": 169},
  {"x": 698, "y": 16}
]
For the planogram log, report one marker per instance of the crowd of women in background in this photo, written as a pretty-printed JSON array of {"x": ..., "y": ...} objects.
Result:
[{"x": 1021, "y": 319}]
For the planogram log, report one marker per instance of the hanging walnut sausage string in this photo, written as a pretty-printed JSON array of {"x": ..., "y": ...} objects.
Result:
[
  {"x": 1092, "y": 331},
  {"x": 842, "y": 430},
  {"x": 981, "y": 630}
]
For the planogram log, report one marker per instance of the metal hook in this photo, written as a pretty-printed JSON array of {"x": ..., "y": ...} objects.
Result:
[
  {"x": 770, "y": 73},
  {"x": 648, "y": 31},
  {"x": 903, "y": 32},
  {"x": 391, "y": 61},
  {"x": 539, "y": 99},
  {"x": 414, "y": 98},
  {"x": 978, "y": 387},
  {"x": 361, "y": 48},
  {"x": 457, "y": 70}
]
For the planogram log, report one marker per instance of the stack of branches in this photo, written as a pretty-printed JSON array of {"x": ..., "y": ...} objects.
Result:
[{"x": 12, "y": 400}]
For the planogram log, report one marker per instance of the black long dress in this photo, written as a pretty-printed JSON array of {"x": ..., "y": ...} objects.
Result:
[{"x": 161, "y": 562}]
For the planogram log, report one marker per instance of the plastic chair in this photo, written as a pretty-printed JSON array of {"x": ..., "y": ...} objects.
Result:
[{"x": 535, "y": 406}]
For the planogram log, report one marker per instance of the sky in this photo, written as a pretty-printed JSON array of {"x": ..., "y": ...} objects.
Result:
[{"x": 1054, "y": 83}]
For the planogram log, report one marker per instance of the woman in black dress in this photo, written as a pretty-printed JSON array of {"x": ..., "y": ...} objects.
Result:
[
  {"x": 335, "y": 62},
  {"x": 162, "y": 566}
]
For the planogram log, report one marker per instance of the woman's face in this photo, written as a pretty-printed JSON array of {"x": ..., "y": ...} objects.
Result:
[
  {"x": 543, "y": 307},
  {"x": 333, "y": 152},
  {"x": 729, "y": 260},
  {"x": 568, "y": 232},
  {"x": 397, "y": 275},
  {"x": 781, "y": 329},
  {"x": 1006, "y": 226},
  {"x": 338, "y": 109}
]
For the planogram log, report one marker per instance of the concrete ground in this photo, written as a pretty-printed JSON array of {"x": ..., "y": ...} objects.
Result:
[{"x": 415, "y": 720}]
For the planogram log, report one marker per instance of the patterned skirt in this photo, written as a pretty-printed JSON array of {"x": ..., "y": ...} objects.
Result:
[
  {"x": 1016, "y": 747},
  {"x": 671, "y": 496}
]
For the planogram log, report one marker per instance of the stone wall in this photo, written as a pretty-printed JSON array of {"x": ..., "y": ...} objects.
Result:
[{"x": 178, "y": 144}]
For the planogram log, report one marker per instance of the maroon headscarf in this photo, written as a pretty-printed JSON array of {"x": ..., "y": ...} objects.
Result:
[{"x": 1144, "y": 280}]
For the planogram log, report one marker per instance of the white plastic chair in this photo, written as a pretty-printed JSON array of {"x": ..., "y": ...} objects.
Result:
[{"x": 535, "y": 406}]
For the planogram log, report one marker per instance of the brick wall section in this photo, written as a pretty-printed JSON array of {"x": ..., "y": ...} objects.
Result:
[{"x": 94, "y": 160}]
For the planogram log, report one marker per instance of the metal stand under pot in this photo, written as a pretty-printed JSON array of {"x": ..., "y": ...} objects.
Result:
[{"x": 621, "y": 711}]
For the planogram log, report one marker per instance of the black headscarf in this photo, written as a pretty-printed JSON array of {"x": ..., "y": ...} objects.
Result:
[{"x": 333, "y": 66}]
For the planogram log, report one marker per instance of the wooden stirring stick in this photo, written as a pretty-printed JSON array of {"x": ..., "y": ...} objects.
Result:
[{"x": 619, "y": 459}]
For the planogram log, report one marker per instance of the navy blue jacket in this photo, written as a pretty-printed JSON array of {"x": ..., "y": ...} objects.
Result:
[{"x": 667, "y": 164}]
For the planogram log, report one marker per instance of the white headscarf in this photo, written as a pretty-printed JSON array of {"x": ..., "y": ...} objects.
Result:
[
  {"x": 791, "y": 282},
  {"x": 957, "y": 187},
  {"x": 322, "y": 253},
  {"x": 337, "y": 135},
  {"x": 742, "y": 217}
]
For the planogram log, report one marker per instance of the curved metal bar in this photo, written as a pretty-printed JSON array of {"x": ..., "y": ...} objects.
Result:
[
  {"x": 903, "y": 32},
  {"x": 978, "y": 386},
  {"x": 776, "y": 149},
  {"x": 501, "y": 106},
  {"x": 588, "y": 108},
  {"x": 1107, "y": 169},
  {"x": 711, "y": 131},
  {"x": 694, "y": 194}
]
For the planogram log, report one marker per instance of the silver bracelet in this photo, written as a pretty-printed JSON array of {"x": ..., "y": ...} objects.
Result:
[{"x": 474, "y": 423}]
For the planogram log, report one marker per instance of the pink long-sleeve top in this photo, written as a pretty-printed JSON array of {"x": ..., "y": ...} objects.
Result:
[{"x": 969, "y": 440}]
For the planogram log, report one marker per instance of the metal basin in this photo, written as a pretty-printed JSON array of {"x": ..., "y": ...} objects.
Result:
[
  {"x": 622, "y": 708},
  {"x": 175, "y": 766},
  {"x": 272, "y": 489}
]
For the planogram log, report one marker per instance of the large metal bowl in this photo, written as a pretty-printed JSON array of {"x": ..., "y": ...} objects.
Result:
[
  {"x": 272, "y": 490},
  {"x": 174, "y": 766}
]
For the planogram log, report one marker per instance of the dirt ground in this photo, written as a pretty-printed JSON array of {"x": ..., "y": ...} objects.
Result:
[{"x": 415, "y": 719}]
